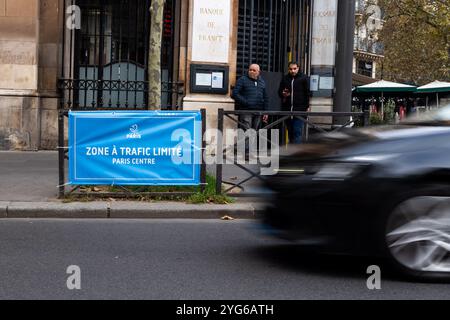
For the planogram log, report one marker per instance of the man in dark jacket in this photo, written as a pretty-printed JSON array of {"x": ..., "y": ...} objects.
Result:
[
  {"x": 294, "y": 93},
  {"x": 250, "y": 94}
]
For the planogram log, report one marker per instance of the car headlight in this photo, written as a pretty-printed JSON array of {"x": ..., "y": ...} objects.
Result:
[
  {"x": 305, "y": 169},
  {"x": 338, "y": 171}
]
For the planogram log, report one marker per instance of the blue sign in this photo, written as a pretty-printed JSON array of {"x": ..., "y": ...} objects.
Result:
[{"x": 135, "y": 148}]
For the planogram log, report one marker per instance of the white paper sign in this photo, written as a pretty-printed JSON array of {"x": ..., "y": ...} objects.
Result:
[
  {"x": 314, "y": 85},
  {"x": 326, "y": 83},
  {"x": 211, "y": 31},
  {"x": 217, "y": 80},
  {"x": 324, "y": 33},
  {"x": 203, "y": 79}
]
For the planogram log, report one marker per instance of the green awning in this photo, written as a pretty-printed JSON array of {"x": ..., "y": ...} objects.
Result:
[
  {"x": 386, "y": 86},
  {"x": 435, "y": 87}
]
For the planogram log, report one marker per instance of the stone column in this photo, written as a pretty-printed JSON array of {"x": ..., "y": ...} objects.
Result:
[
  {"x": 19, "y": 102},
  {"x": 323, "y": 56},
  {"x": 50, "y": 25},
  {"x": 204, "y": 18}
]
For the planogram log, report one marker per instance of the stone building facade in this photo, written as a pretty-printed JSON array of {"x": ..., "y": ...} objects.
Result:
[{"x": 29, "y": 39}]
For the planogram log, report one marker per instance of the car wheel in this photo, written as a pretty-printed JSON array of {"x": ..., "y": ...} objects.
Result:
[{"x": 417, "y": 237}]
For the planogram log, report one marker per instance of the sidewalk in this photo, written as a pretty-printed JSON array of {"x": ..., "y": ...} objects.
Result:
[{"x": 28, "y": 189}]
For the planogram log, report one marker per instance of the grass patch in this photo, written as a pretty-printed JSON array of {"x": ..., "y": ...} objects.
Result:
[
  {"x": 140, "y": 193},
  {"x": 159, "y": 189},
  {"x": 77, "y": 198}
]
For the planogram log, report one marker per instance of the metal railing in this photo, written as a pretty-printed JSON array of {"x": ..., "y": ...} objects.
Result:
[
  {"x": 278, "y": 118},
  {"x": 77, "y": 94}
]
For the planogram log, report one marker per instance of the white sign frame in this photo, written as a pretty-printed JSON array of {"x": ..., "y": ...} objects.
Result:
[
  {"x": 211, "y": 28},
  {"x": 324, "y": 31}
]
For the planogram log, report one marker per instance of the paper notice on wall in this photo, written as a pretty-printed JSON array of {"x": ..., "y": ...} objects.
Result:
[
  {"x": 314, "y": 85},
  {"x": 203, "y": 79},
  {"x": 217, "y": 80},
  {"x": 326, "y": 83}
]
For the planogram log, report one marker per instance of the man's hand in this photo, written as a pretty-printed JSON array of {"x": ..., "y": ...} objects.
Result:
[
  {"x": 265, "y": 118},
  {"x": 286, "y": 93}
]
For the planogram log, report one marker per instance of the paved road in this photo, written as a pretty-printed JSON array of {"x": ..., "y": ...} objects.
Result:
[{"x": 179, "y": 259}]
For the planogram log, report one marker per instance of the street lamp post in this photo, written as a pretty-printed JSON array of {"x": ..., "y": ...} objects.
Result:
[{"x": 344, "y": 56}]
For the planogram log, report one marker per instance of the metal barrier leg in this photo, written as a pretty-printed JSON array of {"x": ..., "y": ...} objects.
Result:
[
  {"x": 219, "y": 155},
  {"x": 61, "y": 154},
  {"x": 366, "y": 119},
  {"x": 305, "y": 130},
  {"x": 203, "y": 163}
]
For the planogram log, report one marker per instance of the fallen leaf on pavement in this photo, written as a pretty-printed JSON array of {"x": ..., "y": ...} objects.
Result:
[{"x": 227, "y": 218}]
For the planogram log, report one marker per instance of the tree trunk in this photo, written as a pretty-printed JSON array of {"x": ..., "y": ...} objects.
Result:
[{"x": 154, "y": 61}]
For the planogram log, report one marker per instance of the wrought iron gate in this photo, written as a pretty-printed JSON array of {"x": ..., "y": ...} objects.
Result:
[
  {"x": 105, "y": 63},
  {"x": 272, "y": 33}
]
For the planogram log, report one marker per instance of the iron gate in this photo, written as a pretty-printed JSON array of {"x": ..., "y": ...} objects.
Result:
[
  {"x": 272, "y": 33},
  {"x": 105, "y": 62}
]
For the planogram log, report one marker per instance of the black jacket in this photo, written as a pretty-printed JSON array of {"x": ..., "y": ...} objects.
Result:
[
  {"x": 250, "y": 94},
  {"x": 298, "y": 86}
]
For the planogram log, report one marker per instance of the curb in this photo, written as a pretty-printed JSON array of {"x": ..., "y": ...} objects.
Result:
[
  {"x": 126, "y": 210},
  {"x": 120, "y": 210},
  {"x": 20, "y": 210}
]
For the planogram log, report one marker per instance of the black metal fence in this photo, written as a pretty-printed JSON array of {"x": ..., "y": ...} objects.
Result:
[
  {"x": 77, "y": 94},
  {"x": 277, "y": 120}
]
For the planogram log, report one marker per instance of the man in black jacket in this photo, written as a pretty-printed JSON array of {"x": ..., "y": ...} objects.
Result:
[
  {"x": 250, "y": 94},
  {"x": 294, "y": 93}
]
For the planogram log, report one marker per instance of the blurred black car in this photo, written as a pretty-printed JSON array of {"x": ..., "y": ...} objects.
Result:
[{"x": 377, "y": 191}]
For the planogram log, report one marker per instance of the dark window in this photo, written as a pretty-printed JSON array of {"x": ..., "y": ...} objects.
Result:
[
  {"x": 272, "y": 32},
  {"x": 365, "y": 68}
]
